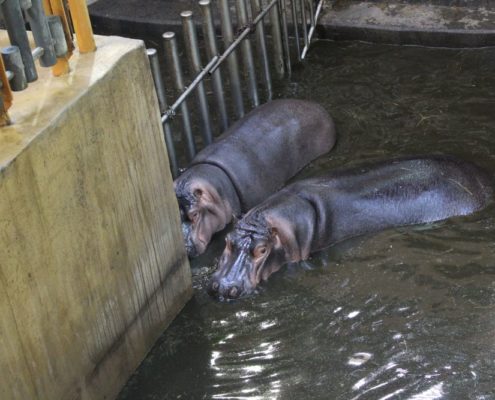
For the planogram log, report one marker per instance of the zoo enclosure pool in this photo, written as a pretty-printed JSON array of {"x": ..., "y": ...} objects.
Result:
[{"x": 404, "y": 314}]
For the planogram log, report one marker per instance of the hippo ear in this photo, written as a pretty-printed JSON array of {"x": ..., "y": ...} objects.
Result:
[
  {"x": 204, "y": 193},
  {"x": 285, "y": 235}
]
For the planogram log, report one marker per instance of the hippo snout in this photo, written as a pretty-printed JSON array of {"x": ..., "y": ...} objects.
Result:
[{"x": 225, "y": 290}]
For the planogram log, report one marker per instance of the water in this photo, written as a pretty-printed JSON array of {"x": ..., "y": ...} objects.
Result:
[{"x": 408, "y": 313}]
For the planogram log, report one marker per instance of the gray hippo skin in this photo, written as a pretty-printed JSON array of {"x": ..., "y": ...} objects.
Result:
[
  {"x": 250, "y": 161},
  {"x": 312, "y": 214}
]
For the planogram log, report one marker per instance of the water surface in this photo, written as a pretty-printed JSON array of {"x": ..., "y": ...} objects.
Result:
[{"x": 408, "y": 313}]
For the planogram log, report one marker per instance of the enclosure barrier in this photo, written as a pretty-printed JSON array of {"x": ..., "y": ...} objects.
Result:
[
  {"x": 50, "y": 23},
  {"x": 250, "y": 20}
]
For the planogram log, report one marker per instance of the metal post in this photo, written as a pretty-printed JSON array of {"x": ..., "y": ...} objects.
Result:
[
  {"x": 41, "y": 33},
  {"x": 247, "y": 52},
  {"x": 296, "y": 29},
  {"x": 58, "y": 34},
  {"x": 228, "y": 38},
  {"x": 304, "y": 23},
  {"x": 285, "y": 35},
  {"x": 313, "y": 27},
  {"x": 195, "y": 64},
  {"x": 162, "y": 100},
  {"x": 157, "y": 79},
  {"x": 172, "y": 55},
  {"x": 261, "y": 45},
  {"x": 311, "y": 14},
  {"x": 13, "y": 62},
  {"x": 277, "y": 41},
  {"x": 14, "y": 22},
  {"x": 25, "y": 4},
  {"x": 211, "y": 51}
]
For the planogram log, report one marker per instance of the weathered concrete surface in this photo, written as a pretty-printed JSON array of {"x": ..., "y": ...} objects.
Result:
[
  {"x": 448, "y": 23},
  {"x": 408, "y": 23},
  {"x": 92, "y": 265}
]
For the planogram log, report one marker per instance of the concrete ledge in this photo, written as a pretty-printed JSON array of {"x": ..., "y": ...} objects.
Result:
[
  {"x": 444, "y": 23},
  {"x": 418, "y": 24},
  {"x": 92, "y": 264}
]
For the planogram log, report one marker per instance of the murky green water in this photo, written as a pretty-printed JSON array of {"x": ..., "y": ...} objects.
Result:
[{"x": 408, "y": 313}]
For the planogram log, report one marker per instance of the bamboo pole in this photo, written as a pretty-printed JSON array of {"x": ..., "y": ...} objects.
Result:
[
  {"x": 6, "y": 95},
  {"x": 82, "y": 26}
]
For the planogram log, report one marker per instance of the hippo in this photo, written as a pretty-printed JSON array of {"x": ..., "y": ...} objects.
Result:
[
  {"x": 312, "y": 214},
  {"x": 250, "y": 161}
]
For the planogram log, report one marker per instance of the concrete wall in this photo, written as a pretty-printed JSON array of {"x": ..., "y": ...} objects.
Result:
[{"x": 92, "y": 265}]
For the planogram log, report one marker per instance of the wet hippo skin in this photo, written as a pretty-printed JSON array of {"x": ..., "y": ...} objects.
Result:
[
  {"x": 312, "y": 214},
  {"x": 253, "y": 159}
]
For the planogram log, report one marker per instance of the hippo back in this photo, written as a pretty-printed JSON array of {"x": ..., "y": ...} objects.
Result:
[{"x": 261, "y": 151}]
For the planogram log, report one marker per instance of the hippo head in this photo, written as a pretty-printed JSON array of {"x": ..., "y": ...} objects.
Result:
[
  {"x": 203, "y": 212},
  {"x": 252, "y": 253}
]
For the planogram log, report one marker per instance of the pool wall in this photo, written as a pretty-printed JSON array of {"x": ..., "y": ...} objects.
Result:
[
  {"x": 92, "y": 265},
  {"x": 437, "y": 23}
]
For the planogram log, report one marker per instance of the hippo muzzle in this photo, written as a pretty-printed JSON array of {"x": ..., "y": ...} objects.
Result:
[
  {"x": 236, "y": 273},
  {"x": 191, "y": 249}
]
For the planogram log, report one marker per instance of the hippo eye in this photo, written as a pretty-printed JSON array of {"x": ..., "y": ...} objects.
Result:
[
  {"x": 193, "y": 216},
  {"x": 260, "y": 251}
]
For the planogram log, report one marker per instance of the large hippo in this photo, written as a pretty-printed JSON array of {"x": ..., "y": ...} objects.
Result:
[
  {"x": 251, "y": 160},
  {"x": 312, "y": 214}
]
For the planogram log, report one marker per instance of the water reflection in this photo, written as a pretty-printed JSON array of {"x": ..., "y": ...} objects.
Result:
[
  {"x": 404, "y": 314},
  {"x": 242, "y": 361}
]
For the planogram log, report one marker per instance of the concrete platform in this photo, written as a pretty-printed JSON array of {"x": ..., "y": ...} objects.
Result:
[
  {"x": 445, "y": 23},
  {"x": 92, "y": 264},
  {"x": 418, "y": 24}
]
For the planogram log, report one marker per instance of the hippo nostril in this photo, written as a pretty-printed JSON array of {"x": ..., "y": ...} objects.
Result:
[{"x": 233, "y": 292}]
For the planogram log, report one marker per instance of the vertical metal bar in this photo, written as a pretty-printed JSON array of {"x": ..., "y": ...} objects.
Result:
[
  {"x": 277, "y": 41},
  {"x": 312, "y": 29},
  {"x": 247, "y": 52},
  {"x": 296, "y": 29},
  {"x": 233, "y": 66},
  {"x": 304, "y": 22},
  {"x": 57, "y": 31},
  {"x": 13, "y": 62},
  {"x": 211, "y": 51},
  {"x": 157, "y": 78},
  {"x": 41, "y": 32},
  {"x": 195, "y": 64},
  {"x": 285, "y": 35},
  {"x": 25, "y": 4},
  {"x": 311, "y": 13},
  {"x": 14, "y": 22},
  {"x": 261, "y": 45},
  {"x": 170, "y": 44},
  {"x": 162, "y": 100},
  {"x": 56, "y": 7}
]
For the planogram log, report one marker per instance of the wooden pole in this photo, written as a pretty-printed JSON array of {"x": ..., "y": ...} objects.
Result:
[{"x": 82, "y": 26}]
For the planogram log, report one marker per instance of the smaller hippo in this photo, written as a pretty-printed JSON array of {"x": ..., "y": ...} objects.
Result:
[
  {"x": 312, "y": 214},
  {"x": 249, "y": 162}
]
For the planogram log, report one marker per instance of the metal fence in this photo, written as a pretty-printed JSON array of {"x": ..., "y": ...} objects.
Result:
[
  {"x": 52, "y": 23},
  {"x": 286, "y": 44}
]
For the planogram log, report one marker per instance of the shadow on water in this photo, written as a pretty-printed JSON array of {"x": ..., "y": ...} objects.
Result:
[{"x": 408, "y": 313}]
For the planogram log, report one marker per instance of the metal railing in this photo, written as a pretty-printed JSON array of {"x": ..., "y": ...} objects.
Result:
[
  {"x": 250, "y": 20},
  {"x": 50, "y": 22}
]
